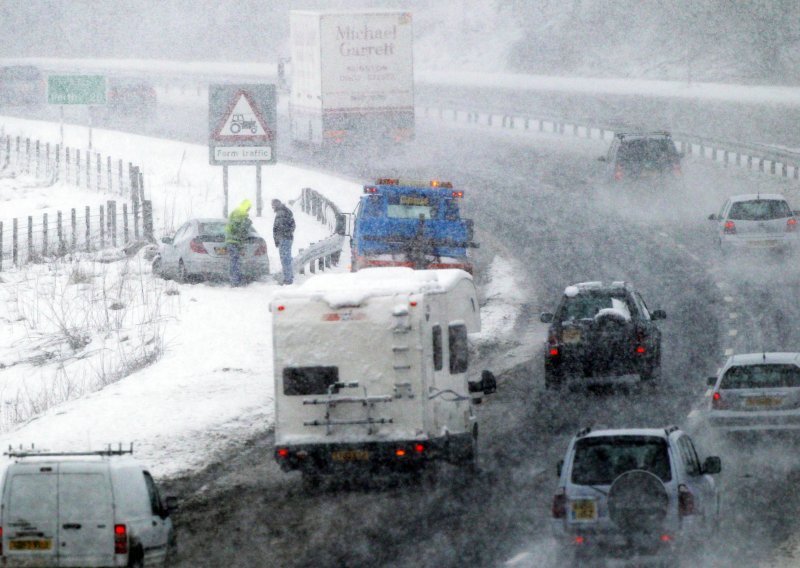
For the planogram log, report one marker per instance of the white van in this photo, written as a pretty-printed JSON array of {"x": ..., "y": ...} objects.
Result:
[
  {"x": 371, "y": 370},
  {"x": 82, "y": 509}
]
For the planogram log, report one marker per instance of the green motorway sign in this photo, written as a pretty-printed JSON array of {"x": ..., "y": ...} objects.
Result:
[{"x": 76, "y": 90}]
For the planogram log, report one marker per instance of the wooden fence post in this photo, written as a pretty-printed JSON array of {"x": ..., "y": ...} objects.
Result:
[
  {"x": 99, "y": 170},
  {"x": 14, "y": 242},
  {"x": 28, "y": 155},
  {"x": 38, "y": 159},
  {"x": 88, "y": 228},
  {"x": 66, "y": 165},
  {"x": 1, "y": 246},
  {"x": 108, "y": 175},
  {"x": 111, "y": 212},
  {"x": 88, "y": 169},
  {"x": 147, "y": 219},
  {"x": 77, "y": 168},
  {"x": 135, "y": 219},
  {"x": 125, "y": 221},
  {"x": 102, "y": 228},
  {"x": 119, "y": 178},
  {"x": 74, "y": 223},
  {"x": 30, "y": 237},
  {"x": 62, "y": 248},
  {"x": 44, "y": 235}
]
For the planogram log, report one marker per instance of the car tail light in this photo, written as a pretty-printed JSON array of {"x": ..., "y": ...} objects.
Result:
[
  {"x": 640, "y": 349},
  {"x": 791, "y": 225},
  {"x": 262, "y": 248},
  {"x": 559, "y": 508},
  {"x": 666, "y": 538},
  {"x": 282, "y": 452},
  {"x": 618, "y": 173},
  {"x": 197, "y": 246},
  {"x": 419, "y": 448},
  {"x": 685, "y": 501},
  {"x": 579, "y": 539},
  {"x": 716, "y": 401},
  {"x": 729, "y": 228},
  {"x": 553, "y": 340},
  {"x": 120, "y": 539},
  {"x": 400, "y": 452}
]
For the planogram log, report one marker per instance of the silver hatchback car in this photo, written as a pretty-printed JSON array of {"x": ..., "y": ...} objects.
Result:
[
  {"x": 756, "y": 392},
  {"x": 756, "y": 222},
  {"x": 198, "y": 250},
  {"x": 633, "y": 493}
]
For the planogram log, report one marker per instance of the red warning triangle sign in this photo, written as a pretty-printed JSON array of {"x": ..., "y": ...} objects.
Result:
[{"x": 242, "y": 121}]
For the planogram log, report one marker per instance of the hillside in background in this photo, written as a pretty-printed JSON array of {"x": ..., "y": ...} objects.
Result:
[{"x": 748, "y": 41}]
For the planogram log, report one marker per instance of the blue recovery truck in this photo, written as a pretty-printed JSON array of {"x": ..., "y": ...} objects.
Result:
[{"x": 414, "y": 224}]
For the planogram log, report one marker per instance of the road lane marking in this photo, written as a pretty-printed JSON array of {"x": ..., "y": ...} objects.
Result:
[
  {"x": 694, "y": 257},
  {"x": 733, "y": 315},
  {"x": 728, "y": 352},
  {"x": 728, "y": 298},
  {"x": 733, "y": 332}
]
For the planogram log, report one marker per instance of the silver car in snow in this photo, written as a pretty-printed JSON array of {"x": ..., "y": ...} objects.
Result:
[
  {"x": 198, "y": 250},
  {"x": 756, "y": 222},
  {"x": 756, "y": 392}
]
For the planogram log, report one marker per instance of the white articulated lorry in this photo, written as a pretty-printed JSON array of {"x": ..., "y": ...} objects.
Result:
[
  {"x": 371, "y": 371},
  {"x": 352, "y": 77}
]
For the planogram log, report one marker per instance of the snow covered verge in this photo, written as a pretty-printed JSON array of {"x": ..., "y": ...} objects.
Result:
[{"x": 95, "y": 352}]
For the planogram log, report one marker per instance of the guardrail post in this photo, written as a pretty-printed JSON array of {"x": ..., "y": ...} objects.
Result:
[
  {"x": 574, "y": 129},
  {"x": 738, "y": 159},
  {"x": 714, "y": 154},
  {"x": 725, "y": 157},
  {"x": 796, "y": 172},
  {"x": 749, "y": 162}
]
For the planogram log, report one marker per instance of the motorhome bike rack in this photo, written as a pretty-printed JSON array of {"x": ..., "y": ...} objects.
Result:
[{"x": 330, "y": 402}]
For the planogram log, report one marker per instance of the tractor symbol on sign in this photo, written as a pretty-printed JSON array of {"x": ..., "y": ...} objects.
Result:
[{"x": 238, "y": 123}]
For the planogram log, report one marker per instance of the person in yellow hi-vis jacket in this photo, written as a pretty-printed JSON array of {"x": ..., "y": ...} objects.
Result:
[{"x": 236, "y": 232}]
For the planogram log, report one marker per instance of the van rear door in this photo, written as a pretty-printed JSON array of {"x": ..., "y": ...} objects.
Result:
[
  {"x": 85, "y": 515},
  {"x": 30, "y": 515}
]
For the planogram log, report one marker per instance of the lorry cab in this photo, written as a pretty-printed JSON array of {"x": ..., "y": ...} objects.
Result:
[
  {"x": 412, "y": 224},
  {"x": 92, "y": 509},
  {"x": 372, "y": 371}
]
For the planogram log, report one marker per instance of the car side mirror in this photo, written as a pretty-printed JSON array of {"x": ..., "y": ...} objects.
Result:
[
  {"x": 546, "y": 317},
  {"x": 711, "y": 381},
  {"x": 487, "y": 384},
  {"x": 171, "y": 504},
  {"x": 559, "y": 467},
  {"x": 712, "y": 465},
  {"x": 602, "y": 159},
  {"x": 712, "y": 217},
  {"x": 658, "y": 315},
  {"x": 166, "y": 240}
]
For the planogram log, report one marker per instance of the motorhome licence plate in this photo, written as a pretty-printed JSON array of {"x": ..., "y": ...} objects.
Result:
[
  {"x": 350, "y": 455},
  {"x": 584, "y": 510},
  {"x": 40, "y": 544}
]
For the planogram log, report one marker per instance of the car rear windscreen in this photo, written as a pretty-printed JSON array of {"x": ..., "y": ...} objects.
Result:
[
  {"x": 309, "y": 380},
  {"x": 647, "y": 151},
  {"x": 759, "y": 210},
  {"x": 586, "y": 305},
  {"x": 599, "y": 461},
  {"x": 761, "y": 377}
]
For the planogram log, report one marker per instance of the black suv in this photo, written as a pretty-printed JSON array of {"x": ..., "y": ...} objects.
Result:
[
  {"x": 599, "y": 332},
  {"x": 636, "y": 155}
]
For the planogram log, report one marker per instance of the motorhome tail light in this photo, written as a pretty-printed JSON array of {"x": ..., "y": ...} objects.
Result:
[
  {"x": 400, "y": 452},
  {"x": 618, "y": 173},
  {"x": 120, "y": 539},
  {"x": 685, "y": 501},
  {"x": 458, "y": 194},
  {"x": 729, "y": 228},
  {"x": 419, "y": 448},
  {"x": 791, "y": 225},
  {"x": 388, "y": 181},
  {"x": 282, "y": 452},
  {"x": 559, "y": 508},
  {"x": 370, "y": 189},
  {"x": 262, "y": 248},
  {"x": 197, "y": 246}
]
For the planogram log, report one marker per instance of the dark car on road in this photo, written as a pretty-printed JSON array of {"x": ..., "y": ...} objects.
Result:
[
  {"x": 602, "y": 333},
  {"x": 22, "y": 85},
  {"x": 637, "y": 155}
]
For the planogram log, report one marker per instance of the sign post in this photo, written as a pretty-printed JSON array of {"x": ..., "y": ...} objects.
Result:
[
  {"x": 82, "y": 90},
  {"x": 242, "y": 127}
]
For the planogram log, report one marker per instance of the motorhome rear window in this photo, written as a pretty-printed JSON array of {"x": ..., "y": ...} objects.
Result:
[
  {"x": 309, "y": 380},
  {"x": 459, "y": 354},
  {"x": 437, "y": 348}
]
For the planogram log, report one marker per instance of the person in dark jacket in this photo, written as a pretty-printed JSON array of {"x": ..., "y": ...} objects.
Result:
[
  {"x": 236, "y": 233},
  {"x": 283, "y": 233}
]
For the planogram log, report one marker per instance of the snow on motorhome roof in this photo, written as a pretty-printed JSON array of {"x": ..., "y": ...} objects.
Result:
[{"x": 352, "y": 289}]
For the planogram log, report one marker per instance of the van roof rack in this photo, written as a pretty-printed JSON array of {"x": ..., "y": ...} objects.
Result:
[
  {"x": 33, "y": 452},
  {"x": 583, "y": 432},
  {"x": 670, "y": 429}
]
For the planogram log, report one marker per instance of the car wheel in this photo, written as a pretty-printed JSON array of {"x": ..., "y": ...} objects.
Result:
[
  {"x": 551, "y": 382},
  {"x": 158, "y": 268},
  {"x": 183, "y": 275},
  {"x": 311, "y": 481}
]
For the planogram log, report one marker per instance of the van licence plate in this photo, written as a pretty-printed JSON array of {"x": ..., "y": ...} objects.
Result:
[
  {"x": 41, "y": 544},
  {"x": 350, "y": 455},
  {"x": 764, "y": 401},
  {"x": 584, "y": 510},
  {"x": 572, "y": 335}
]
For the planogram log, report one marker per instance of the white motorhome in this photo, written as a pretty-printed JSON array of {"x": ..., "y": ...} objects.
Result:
[
  {"x": 82, "y": 509},
  {"x": 371, "y": 370},
  {"x": 352, "y": 76}
]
